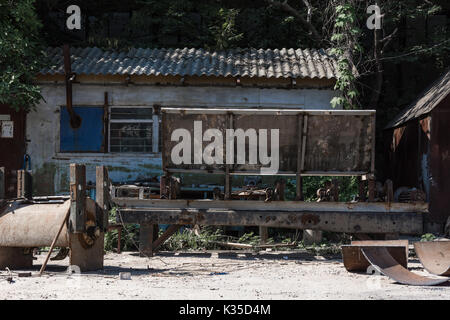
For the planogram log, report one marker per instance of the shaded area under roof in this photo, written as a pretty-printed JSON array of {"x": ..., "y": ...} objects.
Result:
[
  {"x": 263, "y": 63},
  {"x": 426, "y": 102}
]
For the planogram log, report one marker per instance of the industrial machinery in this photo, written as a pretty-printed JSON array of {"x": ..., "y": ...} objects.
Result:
[
  {"x": 76, "y": 222},
  {"x": 310, "y": 143}
]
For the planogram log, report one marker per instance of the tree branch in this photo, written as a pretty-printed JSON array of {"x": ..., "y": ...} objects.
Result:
[
  {"x": 286, "y": 7},
  {"x": 310, "y": 10}
]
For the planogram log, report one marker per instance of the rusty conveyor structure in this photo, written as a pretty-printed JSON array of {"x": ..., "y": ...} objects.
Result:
[
  {"x": 27, "y": 223},
  {"x": 311, "y": 143}
]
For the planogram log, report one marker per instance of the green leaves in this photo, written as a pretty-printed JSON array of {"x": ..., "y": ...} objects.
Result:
[
  {"x": 345, "y": 38},
  {"x": 21, "y": 55}
]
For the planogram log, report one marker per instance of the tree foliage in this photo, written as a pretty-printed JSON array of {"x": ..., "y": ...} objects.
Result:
[{"x": 21, "y": 54}]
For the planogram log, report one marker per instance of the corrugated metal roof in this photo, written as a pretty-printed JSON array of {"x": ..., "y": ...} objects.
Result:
[
  {"x": 265, "y": 63},
  {"x": 425, "y": 103}
]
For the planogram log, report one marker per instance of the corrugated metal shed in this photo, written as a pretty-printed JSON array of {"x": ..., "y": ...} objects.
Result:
[
  {"x": 425, "y": 103},
  {"x": 265, "y": 63}
]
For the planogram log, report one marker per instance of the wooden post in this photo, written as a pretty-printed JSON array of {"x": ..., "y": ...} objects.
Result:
[
  {"x": 2, "y": 183},
  {"x": 228, "y": 185},
  {"x": 371, "y": 187},
  {"x": 102, "y": 195},
  {"x": 77, "y": 219},
  {"x": 361, "y": 190},
  {"x": 146, "y": 236},
  {"x": 299, "y": 186},
  {"x": 335, "y": 184},
  {"x": 20, "y": 184},
  {"x": 24, "y": 184},
  {"x": 263, "y": 234},
  {"x": 389, "y": 189},
  {"x": 105, "y": 122}
]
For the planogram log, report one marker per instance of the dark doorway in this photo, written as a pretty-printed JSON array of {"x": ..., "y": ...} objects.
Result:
[{"x": 12, "y": 146}]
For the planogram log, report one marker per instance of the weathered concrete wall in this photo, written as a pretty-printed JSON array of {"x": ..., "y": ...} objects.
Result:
[{"x": 51, "y": 168}]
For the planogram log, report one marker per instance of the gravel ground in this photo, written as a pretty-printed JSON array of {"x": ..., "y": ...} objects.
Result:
[{"x": 215, "y": 275}]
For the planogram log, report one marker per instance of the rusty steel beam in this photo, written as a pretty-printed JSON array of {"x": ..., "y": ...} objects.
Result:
[
  {"x": 350, "y": 222},
  {"x": 354, "y": 260},
  {"x": 255, "y": 205},
  {"x": 384, "y": 263},
  {"x": 434, "y": 256}
]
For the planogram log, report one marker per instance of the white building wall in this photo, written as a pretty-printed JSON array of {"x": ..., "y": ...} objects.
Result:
[{"x": 50, "y": 167}]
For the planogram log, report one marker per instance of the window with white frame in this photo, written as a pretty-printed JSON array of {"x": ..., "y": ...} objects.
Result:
[{"x": 133, "y": 129}]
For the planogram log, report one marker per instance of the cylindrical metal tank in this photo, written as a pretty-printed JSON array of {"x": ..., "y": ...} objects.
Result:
[{"x": 33, "y": 225}]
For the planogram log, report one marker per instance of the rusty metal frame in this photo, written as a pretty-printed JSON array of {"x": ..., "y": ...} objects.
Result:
[{"x": 305, "y": 113}]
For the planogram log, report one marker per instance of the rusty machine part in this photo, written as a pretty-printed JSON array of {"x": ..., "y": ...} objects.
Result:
[
  {"x": 170, "y": 187},
  {"x": 383, "y": 262},
  {"x": 405, "y": 194},
  {"x": 329, "y": 192},
  {"x": 26, "y": 224},
  {"x": 434, "y": 256},
  {"x": 354, "y": 259}
]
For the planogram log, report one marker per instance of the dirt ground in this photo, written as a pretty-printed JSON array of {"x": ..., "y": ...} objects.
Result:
[{"x": 231, "y": 275}]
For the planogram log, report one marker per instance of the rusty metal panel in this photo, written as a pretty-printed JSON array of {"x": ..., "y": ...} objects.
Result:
[
  {"x": 434, "y": 256},
  {"x": 354, "y": 259},
  {"x": 440, "y": 163},
  {"x": 335, "y": 142},
  {"x": 384, "y": 263},
  {"x": 171, "y": 122}
]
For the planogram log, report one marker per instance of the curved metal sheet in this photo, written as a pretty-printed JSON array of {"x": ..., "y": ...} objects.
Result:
[
  {"x": 434, "y": 256},
  {"x": 382, "y": 261}
]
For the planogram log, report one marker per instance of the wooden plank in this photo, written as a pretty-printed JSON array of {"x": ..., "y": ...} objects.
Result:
[
  {"x": 87, "y": 259},
  {"x": 77, "y": 219},
  {"x": 349, "y": 222},
  {"x": 102, "y": 195},
  {"x": 166, "y": 235}
]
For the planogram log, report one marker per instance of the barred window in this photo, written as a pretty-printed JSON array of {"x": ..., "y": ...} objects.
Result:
[{"x": 131, "y": 129}]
